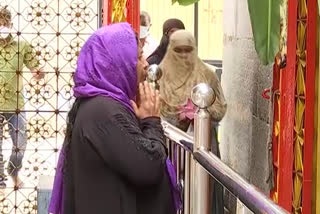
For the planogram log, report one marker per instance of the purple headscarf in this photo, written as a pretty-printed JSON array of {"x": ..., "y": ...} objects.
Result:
[
  {"x": 57, "y": 200},
  {"x": 107, "y": 65}
]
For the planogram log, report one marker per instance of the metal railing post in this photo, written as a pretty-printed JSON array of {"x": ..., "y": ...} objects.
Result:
[
  {"x": 187, "y": 183},
  {"x": 154, "y": 74},
  {"x": 202, "y": 96}
]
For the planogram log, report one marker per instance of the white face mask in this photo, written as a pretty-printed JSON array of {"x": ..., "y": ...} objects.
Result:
[
  {"x": 4, "y": 32},
  {"x": 144, "y": 32}
]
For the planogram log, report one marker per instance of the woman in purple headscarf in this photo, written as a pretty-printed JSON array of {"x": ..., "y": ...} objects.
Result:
[{"x": 114, "y": 152}]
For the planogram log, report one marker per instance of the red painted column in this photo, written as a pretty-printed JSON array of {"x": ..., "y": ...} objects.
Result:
[
  {"x": 107, "y": 11},
  {"x": 309, "y": 105},
  {"x": 132, "y": 13},
  {"x": 287, "y": 113}
]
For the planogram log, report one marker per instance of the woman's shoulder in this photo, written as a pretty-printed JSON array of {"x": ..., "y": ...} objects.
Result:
[
  {"x": 209, "y": 68},
  {"x": 209, "y": 71},
  {"x": 101, "y": 107}
]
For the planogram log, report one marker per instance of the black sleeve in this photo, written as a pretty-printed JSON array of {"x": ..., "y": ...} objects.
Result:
[
  {"x": 154, "y": 59},
  {"x": 138, "y": 154},
  {"x": 152, "y": 128}
]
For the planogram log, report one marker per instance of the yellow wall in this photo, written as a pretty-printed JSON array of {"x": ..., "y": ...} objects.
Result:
[{"x": 210, "y": 22}]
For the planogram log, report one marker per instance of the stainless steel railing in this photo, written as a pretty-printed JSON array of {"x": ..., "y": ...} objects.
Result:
[{"x": 195, "y": 164}]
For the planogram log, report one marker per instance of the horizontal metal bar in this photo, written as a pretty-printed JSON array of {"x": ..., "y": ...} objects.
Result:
[
  {"x": 248, "y": 194},
  {"x": 178, "y": 136},
  {"x": 216, "y": 63}
]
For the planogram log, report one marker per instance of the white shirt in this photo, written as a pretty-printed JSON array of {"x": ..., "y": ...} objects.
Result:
[{"x": 150, "y": 45}]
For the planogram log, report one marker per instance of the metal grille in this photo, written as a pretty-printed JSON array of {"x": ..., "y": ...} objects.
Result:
[{"x": 56, "y": 30}]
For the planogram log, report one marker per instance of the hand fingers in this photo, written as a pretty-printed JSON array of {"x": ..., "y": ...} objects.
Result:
[
  {"x": 40, "y": 76},
  {"x": 147, "y": 91},
  {"x": 134, "y": 106},
  {"x": 142, "y": 92},
  {"x": 153, "y": 94},
  {"x": 37, "y": 77},
  {"x": 152, "y": 90}
]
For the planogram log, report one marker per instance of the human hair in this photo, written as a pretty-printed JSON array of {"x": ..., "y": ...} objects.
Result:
[
  {"x": 145, "y": 19},
  {"x": 137, "y": 37},
  {"x": 5, "y": 15}
]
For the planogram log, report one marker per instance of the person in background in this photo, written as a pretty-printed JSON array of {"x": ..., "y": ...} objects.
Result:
[
  {"x": 169, "y": 27},
  {"x": 148, "y": 43},
  {"x": 182, "y": 70},
  {"x": 13, "y": 56},
  {"x": 114, "y": 154}
]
